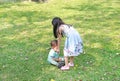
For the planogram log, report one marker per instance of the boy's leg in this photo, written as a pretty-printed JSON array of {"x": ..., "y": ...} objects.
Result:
[{"x": 54, "y": 62}]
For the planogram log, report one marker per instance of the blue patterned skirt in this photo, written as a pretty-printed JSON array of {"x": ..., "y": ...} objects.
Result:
[{"x": 73, "y": 44}]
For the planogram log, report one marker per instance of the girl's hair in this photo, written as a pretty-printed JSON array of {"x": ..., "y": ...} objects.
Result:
[
  {"x": 53, "y": 42},
  {"x": 56, "y": 22}
]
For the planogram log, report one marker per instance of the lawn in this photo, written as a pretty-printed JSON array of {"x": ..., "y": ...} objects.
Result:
[{"x": 26, "y": 30}]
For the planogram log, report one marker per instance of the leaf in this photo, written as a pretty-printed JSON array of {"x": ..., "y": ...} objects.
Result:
[{"x": 52, "y": 80}]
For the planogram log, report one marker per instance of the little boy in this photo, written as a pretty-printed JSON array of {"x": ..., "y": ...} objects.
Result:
[{"x": 53, "y": 56}]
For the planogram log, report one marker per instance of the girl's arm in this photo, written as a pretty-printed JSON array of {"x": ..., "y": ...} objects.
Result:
[
  {"x": 59, "y": 41},
  {"x": 59, "y": 38}
]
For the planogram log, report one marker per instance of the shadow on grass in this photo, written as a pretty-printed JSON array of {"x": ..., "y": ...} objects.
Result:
[
  {"x": 9, "y": 5},
  {"x": 5, "y": 5},
  {"x": 20, "y": 21},
  {"x": 25, "y": 30},
  {"x": 31, "y": 16},
  {"x": 85, "y": 7},
  {"x": 94, "y": 6}
]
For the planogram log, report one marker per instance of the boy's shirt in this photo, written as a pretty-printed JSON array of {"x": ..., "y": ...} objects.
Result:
[{"x": 52, "y": 54}]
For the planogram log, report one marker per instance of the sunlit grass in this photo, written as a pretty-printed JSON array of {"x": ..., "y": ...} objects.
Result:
[{"x": 26, "y": 31}]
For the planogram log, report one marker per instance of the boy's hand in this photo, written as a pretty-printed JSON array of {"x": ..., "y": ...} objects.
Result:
[
  {"x": 57, "y": 50},
  {"x": 60, "y": 59}
]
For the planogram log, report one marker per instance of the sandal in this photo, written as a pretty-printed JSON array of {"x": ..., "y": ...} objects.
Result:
[
  {"x": 71, "y": 64},
  {"x": 65, "y": 68}
]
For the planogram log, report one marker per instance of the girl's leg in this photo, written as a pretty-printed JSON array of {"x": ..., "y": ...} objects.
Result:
[
  {"x": 66, "y": 67},
  {"x": 65, "y": 57},
  {"x": 66, "y": 61},
  {"x": 71, "y": 59}
]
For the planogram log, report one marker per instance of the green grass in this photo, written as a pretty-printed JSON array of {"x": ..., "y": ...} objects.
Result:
[{"x": 26, "y": 30}]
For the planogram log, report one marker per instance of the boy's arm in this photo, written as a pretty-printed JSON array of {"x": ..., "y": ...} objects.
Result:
[{"x": 57, "y": 59}]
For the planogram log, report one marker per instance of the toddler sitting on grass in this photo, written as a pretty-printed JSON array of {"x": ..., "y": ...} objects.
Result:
[{"x": 53, "y": 56}]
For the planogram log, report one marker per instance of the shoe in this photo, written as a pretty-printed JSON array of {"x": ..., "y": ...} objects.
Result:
[
  {"x": 60, "y": 64},
  {"x": 71, "y": 64},
  {"x": 65, "y": 68}
]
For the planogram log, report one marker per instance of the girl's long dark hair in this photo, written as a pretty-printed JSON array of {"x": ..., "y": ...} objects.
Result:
[{"x": 56, "y": 22}]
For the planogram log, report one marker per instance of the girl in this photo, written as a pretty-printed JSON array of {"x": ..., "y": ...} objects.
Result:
[{"x": 73, "y": 44}]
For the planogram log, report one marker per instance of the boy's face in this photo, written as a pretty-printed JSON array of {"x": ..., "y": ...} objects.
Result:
[{"x": 54, "y": 45}]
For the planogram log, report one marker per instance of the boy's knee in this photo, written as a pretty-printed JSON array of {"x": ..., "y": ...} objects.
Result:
[{"x": 54, "y": 63}]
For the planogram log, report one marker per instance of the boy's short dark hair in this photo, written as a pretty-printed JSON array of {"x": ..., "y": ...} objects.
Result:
[{"x": 53, "y": 42}]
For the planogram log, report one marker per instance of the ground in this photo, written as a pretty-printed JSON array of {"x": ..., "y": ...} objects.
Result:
[{"x": 26, "y": 31}]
